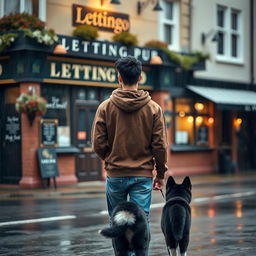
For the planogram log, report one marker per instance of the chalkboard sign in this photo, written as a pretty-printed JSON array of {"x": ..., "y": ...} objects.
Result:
[
  {"x": 49, "y": 132},
  {"x": 12, "y": 129},
  {"x": 48, "y": 162}
]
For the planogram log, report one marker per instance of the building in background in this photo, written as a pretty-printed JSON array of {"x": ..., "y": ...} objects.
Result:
[
  {"x": 226, "y": 30},
  {"x": 203, "y": 134}
]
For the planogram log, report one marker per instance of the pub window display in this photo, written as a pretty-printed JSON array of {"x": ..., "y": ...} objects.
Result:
[
  {"x": 192, "y": 122},
  {"x": 58, "y": 107}
]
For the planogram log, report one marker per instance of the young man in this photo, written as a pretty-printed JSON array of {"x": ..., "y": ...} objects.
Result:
[{"x": 129, "y": 134}]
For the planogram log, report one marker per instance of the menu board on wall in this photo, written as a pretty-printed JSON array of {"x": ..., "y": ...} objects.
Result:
[
  {"x": 48, "y": 132},
  {"x": 12, "y": 129}
]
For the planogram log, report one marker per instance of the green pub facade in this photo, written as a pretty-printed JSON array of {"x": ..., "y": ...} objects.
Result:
[{"x": 73, "y": 85}]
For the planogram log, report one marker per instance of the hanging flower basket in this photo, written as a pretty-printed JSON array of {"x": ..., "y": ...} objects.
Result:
[{"x": 31, "y": 105}]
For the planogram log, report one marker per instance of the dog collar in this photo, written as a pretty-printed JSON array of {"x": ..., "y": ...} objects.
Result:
[{"x": 177, "y": 199}]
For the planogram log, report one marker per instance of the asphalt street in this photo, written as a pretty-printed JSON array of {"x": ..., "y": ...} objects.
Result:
[{"x": 223, "y": 223}]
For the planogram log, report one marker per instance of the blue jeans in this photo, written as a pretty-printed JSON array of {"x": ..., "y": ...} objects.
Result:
[{"x": 139, "y": 190}]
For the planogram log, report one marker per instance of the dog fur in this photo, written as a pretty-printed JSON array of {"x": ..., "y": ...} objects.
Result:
[
  {"x": 129, "y": 230},
  {"x": 176, "y": 216}
]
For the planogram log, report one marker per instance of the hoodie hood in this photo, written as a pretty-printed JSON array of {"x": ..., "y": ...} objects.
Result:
[{"x": 130, "y": 101}]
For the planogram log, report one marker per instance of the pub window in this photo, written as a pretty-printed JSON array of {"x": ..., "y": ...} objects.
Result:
[
  {"x": 229, "y": 44},
  {"x": 93, "y": 94},
  {"x": 169, "y": 25},
  {"x": 58, "y": 107},
  {"x": 106, "y": 93},
  {"x": 34, "y": 7},
  {"x": 192, "y": 122}
]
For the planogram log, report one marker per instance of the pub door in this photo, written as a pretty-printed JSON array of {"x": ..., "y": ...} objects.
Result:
[
  {"x": 246, "y": 136},
  {"x": 88, "y": 165},
  {"x": 10, "y": 138},
  {"x": 225, "y": 146}
]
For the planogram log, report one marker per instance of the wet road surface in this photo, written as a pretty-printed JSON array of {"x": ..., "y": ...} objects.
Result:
[{"x": 223, "y": 224}]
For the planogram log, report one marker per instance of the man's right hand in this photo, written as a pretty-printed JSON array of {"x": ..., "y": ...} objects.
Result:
[{"x": 158, "y": 184}]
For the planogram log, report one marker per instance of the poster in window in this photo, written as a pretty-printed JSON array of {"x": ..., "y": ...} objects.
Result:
[
  {"x": 49, "y": 132},
  {"x": 202, "y": 135},
  {"x": 63, "y": 136}
]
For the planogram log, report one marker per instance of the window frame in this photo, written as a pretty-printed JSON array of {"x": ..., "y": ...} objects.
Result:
[
  {"x": 194, "y": 114},
  {"x": 41, "y": 8},
  {"x": 68, "y": 110},
  {"x": 228, "y": 33},
  {"x": 175, "y": 23}
]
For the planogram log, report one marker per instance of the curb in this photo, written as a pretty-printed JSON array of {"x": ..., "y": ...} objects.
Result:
[{"x": 99, "y": 188}]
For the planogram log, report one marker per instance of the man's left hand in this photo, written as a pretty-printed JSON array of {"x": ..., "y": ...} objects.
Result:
[{"x": 158, "y": 184}]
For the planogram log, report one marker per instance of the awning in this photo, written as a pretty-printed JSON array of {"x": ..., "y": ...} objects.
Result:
[{"x": 227, "y": 98}]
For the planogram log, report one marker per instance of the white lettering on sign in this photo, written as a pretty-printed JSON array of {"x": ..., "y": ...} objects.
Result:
[
  {"x": 48, "y": 161},
  {"x": 107, "y": 49},
  {"x": 1, "y": 69},
  {"x": 55, "y": 104},
  {"x": 12, "y": 128},
  {"x": 249, "y": 108}
]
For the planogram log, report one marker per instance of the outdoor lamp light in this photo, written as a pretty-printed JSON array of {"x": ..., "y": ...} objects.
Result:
[
  {"x": 190, "y": 119},
  {"x": 112, "y": 2},
  {"x": 142, "y": 5},
  {"x": 210, "y": 120},
  {"x": 237, "y": 123},
  {"x": 199, "y": 106},
  {"x": 156, "y": 60},
  {"x": 59, "y": 49},
  {"x": 182, "y": 113},
  {"x": 199, "y": 120}
]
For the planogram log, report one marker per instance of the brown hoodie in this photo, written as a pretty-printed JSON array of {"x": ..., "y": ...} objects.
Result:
[{"x": 129, "y": 133}]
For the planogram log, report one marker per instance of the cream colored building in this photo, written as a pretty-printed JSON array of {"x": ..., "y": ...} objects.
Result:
[
  {"x": 148, "y": 25},
  {"x": 229, "y": 23}
]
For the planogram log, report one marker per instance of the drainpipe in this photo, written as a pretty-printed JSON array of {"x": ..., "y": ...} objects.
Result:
[
  {"x": 252, "y": 43},
  {"x": 190, "y": 25}
]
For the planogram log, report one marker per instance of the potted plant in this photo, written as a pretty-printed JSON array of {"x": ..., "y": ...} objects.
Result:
[
  {"x": 186, "y": 61},
  {"x": 126, "y": 38},
  {"x": 31, "y": 105},
  {"x": 17, "y": 24},
  {"x": 87, "y": 32}
]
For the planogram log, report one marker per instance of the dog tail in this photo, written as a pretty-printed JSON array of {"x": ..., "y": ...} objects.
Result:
[
  {"x": 121, "y": 221},
  {"x": 178, "y": 221},
  {"x": 113, "y": 232}
]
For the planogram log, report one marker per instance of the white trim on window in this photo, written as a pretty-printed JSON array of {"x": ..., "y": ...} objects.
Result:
[
  {"x": 174, "y": 23},
  {"x": 1, "y": 8},
  {"x": 227, "y": 30},
  {"x": 42, "y": 10},
  {"x": 22, "y": 6}
]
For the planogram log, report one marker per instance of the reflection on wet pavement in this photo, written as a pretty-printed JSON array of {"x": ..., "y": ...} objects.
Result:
[{"x": 219, "y": 228}]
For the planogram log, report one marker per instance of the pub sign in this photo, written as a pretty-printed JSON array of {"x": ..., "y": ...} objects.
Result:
[{"x": 102, "y": 19}]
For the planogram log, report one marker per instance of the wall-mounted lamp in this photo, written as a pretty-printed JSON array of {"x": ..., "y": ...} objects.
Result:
[
  {"x": 142, "y": 5},
  {"x": 212, "y": 33},
  {"x": 59, "y": 49},
  {"x": 199, "y": 106},
  {"x": 31, "y": 90},
  {"x": 112, "y": 2},
  {"x": 237, "y": 123},
  {"x": 156, "y": 60},
  {"x": 210, "y": 121}
]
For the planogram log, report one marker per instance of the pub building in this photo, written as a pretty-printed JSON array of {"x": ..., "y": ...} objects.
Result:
[{"x": 205, "y": 124}]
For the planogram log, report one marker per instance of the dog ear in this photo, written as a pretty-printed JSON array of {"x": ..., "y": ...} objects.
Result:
[
  {"x": 187, "y": 183},
  {"x": 170, "y": 182}
]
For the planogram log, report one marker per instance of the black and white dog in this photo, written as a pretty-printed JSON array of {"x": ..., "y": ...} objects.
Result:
[
  {"x": 129, "y": 230},
  {"x": 176, "y": 216}
]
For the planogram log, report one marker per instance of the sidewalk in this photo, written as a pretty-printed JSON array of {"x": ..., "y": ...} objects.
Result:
[{"x": 98, "y": 187}]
